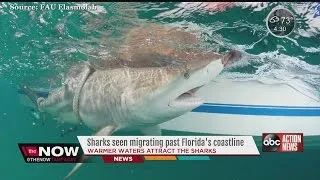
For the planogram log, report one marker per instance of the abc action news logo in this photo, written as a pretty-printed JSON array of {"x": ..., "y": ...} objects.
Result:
[
  {"x": 282, "y": 142},
  {"x": 51, "y": 153}
]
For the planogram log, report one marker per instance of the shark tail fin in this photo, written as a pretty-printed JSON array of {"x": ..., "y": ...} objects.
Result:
[
  {"x": 29, "y": 98},
  {"x": 32, "y": 95},
  {"x": 106, "y": 131}
]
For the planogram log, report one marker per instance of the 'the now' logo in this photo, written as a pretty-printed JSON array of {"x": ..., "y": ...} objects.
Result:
[{"x": 51, "y": 152}]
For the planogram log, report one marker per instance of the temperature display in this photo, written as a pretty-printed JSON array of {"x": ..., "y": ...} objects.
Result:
[{"x": 281, "y": 22}]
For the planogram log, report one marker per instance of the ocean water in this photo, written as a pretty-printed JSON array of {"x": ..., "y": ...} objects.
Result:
[{"x": 38, "y": 46}]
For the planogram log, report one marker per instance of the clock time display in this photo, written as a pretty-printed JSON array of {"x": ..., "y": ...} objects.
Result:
[{"x": 281, "y": 22}]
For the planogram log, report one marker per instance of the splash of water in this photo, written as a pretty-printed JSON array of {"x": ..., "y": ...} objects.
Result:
[
  {"x": 77, "y": 36},
  {"x": 276, "y": 68}
]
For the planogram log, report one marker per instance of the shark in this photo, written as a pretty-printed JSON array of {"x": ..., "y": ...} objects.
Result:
[{"x": 132, "y": 95}]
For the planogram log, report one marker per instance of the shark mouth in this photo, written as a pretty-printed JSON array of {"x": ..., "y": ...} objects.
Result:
[{"x": 187, "y": 99}]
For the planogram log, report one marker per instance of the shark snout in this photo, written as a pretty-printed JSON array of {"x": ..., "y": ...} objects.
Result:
[{"x": 231, "y": 57}]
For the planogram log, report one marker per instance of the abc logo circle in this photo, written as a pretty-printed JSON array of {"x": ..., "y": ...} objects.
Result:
[{"x": 271, "y": 142}]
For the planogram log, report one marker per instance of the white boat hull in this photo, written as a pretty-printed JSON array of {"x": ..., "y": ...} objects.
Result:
[{"x": 250, "y": 108}]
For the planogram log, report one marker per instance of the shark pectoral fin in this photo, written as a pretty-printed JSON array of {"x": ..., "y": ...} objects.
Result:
[
  {"x": 106, "y": 131},
  {"x": 152, "y": 131}
]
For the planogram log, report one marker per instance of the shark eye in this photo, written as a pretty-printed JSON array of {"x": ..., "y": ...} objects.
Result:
[{"x": 186, "y": 75}]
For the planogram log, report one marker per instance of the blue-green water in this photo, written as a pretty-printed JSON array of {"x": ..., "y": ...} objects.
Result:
[{"x": 38, "y": 46}]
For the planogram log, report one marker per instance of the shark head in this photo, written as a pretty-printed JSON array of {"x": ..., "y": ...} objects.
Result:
[
  {"x": 180, "y": 92},
  {"x": 174, "y": 88}
]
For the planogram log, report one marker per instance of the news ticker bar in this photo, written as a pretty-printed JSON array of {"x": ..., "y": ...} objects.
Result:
[{"x": 137, "y": 149}]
